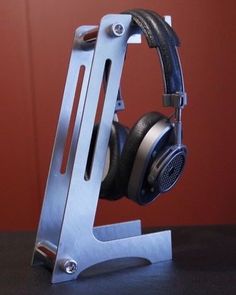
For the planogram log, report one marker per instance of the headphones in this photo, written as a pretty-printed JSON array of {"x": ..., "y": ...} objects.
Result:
[{"x": 149, "y": 159}]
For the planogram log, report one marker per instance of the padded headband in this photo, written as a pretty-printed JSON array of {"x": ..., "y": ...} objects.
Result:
[{"x": 161, "y": 36}]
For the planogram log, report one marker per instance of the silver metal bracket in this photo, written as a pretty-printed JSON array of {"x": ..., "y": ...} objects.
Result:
[
  {"x": 67, "y": 240},
  {"x": 175, "y": 100}
]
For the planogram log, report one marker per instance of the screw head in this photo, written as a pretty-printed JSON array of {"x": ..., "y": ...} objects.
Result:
[
  {"x": 69, "y": 266},
  {"x": 117, "y": 29}
]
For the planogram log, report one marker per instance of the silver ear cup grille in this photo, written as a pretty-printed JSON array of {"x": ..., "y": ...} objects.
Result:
[{"x": 171, "y": 172}]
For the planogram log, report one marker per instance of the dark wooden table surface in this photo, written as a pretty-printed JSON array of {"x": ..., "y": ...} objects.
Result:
[{"x": 204, "y": 262}]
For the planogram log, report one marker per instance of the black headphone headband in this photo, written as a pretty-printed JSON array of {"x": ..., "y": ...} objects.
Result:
[{"x": 161, "y": 36}]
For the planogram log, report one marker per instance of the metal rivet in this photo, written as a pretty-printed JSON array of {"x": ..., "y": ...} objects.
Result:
[
  {"x": 69, "y": 266},
  {"x": 117, "y": 29}
]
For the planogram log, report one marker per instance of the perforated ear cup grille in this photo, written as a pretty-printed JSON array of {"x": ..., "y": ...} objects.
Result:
[
  {"x": 171, "y": 172},
  {"x": 164, "y": 173}
]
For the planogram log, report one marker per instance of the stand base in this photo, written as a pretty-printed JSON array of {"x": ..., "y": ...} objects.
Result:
[{"x": 111, "y": 242}]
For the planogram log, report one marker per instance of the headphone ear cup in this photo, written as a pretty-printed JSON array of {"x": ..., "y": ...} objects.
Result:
[
  {"x": 129, "y": 154},
  {"x": 110, "y": 188}
]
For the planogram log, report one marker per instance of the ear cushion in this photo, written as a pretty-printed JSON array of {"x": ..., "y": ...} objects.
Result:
[
  {"x": 134, "y": 139},
  {"x": 110, "y": 186}
]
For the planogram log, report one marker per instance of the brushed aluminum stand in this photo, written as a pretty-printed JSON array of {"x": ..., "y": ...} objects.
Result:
[{"x": 66, "y": 239}]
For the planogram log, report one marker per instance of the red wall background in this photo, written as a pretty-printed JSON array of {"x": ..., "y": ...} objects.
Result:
[{"x": 36, "y": 39}]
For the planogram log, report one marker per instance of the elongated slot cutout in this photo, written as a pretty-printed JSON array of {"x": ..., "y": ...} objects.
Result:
[
  {"x": 71, "y": 127},
  {"x": 100, "y": 105}
]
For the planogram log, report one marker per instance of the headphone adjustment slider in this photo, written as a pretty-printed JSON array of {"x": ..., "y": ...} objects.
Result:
[{"x": 176, "y": 100}]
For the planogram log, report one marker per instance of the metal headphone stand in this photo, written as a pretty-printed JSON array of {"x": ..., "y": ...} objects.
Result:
[{"x": 66, "y": 239}]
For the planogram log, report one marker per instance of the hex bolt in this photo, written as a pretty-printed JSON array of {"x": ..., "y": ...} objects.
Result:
[
  {"x": 117, "y": 29},
  {"x": 69, "y": 266}
]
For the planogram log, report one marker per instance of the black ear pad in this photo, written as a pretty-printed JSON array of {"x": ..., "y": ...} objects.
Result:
[
  {"x": 110, "y": 189},
  {"x": 134, "y": 139}
]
